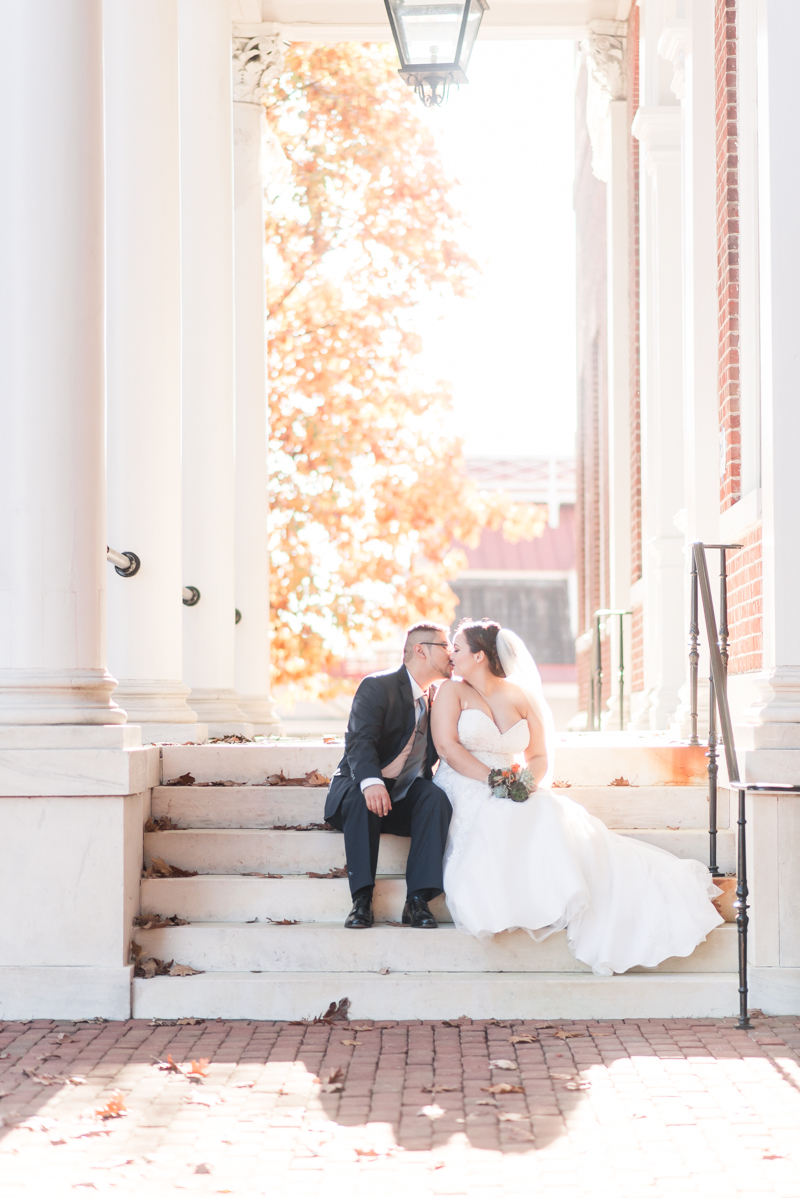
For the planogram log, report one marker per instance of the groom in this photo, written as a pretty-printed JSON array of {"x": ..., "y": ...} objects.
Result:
[{"x": 383, "y": 782}]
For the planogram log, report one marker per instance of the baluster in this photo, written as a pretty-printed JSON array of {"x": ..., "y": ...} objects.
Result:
[
  {"x": 694, "y": 655},
  {"x": 599, "y": 675},
  {"x": 621, "y": 675},
  {"x": 723, "y": 606},
  {"x": 713, "y": 771},
  {"x": 742, "y": 918}
]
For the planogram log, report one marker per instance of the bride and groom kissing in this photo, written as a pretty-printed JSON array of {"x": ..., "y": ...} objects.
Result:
[{"x": 421, "y": 744}]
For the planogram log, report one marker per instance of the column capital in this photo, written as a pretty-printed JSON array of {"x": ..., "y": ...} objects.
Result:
[
  {"x": 673, "y": 46},
  {"x": 604, "y": 51},
  {"x": 256, "y": 62}
]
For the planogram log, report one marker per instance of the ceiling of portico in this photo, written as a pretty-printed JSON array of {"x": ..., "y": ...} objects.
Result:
[{"x": 365, "y": 20}]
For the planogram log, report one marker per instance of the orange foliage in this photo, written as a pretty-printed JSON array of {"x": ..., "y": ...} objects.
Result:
[{"x": 368, "y": 491}]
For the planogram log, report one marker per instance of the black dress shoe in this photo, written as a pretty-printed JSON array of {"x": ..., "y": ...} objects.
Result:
[
  {"x": 361, "y": 916},
  {"x": 417, "y": 914}
]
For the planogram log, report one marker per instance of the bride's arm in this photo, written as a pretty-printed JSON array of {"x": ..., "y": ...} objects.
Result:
[
  {"x": 445, "y": 712},
  {"x": 536, "y": 752}
]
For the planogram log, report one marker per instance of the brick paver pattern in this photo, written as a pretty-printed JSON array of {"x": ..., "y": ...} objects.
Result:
[{"x": 629, "y": 1108}]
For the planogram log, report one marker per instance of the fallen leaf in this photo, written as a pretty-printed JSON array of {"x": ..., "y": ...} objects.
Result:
[
  {"x": 567, "y": 1077},
  {"x": 159, "y": 868},
  {"x": 511, "y": 1117},
  {"x": 34, "y": 1124},
  {"x": 145, "y": 922},
  {"x": 280, "y": 922},
  {"x": 114, "y": 1108},
  {"x": 352, "y": 1043},
  {"x": 62, "y": 1037},
  {"x": 523, "y": 1039},
  {"x": 562, "y": 1035},
  {"x": 578, "y": 1086},
  {"x": 203, "y": 1168},
  {"x": 773, "y": 1156},
  {"x": 202, "y": 1098},
  {"x": 503, "y": 1088},
  {"x": 620, "y": 782},
  {"x": 384, "y": 971},
  {"x": 560, "y": 785},
  {"x": 503, "y": 1064},
  {"x": 312, "y": 778},
  {"x": 437, "y": 1089},
  {"x": 168, "y": 1066},
  {"x": 338, "y": 872},
  {"x": 486, "y": 1102},
  {"x": 190, "y": 1021},
  {"x": 362, "y": 1027},
  {"x": 183, "y": 971},
  {"x": 197, "y": 1068},
  {"x": 433, "y": 1111},
  {"x": 302, "y": 828},
  {"x": 184, "y": 780},
  {"x": 162, "y": 824}
]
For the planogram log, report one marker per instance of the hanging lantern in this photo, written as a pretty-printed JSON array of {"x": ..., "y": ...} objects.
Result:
[{"x": 434, "y": 43}]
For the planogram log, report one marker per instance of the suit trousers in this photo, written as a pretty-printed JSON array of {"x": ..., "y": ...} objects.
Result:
[{"x": 424, "y": 815}]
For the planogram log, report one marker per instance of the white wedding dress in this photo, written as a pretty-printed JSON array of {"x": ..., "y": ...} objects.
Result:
[{"x": 547, "y": 864}]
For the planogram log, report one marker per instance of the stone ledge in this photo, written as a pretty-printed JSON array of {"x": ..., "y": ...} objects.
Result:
[{"x": 65, "y": 992}]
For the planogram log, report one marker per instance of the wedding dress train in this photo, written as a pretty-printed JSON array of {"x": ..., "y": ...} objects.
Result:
[{"x": 547, "y": 864}]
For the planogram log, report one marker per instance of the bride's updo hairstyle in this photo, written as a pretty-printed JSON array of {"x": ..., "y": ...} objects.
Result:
[{"x": 481, "y": 636}]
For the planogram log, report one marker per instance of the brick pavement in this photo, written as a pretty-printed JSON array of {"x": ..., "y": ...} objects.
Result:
[{"x": 635, "y": 1109}]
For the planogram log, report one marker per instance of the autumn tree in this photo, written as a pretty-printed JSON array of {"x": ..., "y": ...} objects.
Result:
[{"x": 368, "y": 490}]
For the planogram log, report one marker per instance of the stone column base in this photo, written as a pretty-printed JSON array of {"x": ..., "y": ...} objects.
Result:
[
  {"x": 221, "y": 711},
  {"x": 65, "y": 992},
  {"x": 174, "y": 734},
  {"x": 155, "y": 701},
  {"x": 58, "y": 697},
  {"x": 775, "y": 991}
]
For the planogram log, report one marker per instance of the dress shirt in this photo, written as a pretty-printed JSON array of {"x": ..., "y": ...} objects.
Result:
[{"x": 417, "y": 693}]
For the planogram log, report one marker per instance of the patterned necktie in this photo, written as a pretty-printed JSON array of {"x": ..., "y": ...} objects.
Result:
[{"x": 417, "y": 755}]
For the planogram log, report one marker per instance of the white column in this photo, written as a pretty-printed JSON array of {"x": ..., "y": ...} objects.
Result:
[
  {"x": 145, "y": 612},
  {"x": 689, "y": 46},
  {"x": 208, "y": 361},
  {"x": 658, "y": 129},
  {"x": 607, "y": 121},
  {"x": 52, "y": 477},
  {"x": 256, "y": 61}
]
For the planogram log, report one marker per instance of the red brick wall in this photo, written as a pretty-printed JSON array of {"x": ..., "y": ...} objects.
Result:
[
  {"x": 744, "y": 604},
  {"x": 728, "y": 251},
  {"x": 633, "y": 259}
]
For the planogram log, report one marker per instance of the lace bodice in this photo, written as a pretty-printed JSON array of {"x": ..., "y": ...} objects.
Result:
[{"x": 478, "y": 732}]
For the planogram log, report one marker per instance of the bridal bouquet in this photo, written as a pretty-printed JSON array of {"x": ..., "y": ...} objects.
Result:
[{"x": 515, "y": 783}]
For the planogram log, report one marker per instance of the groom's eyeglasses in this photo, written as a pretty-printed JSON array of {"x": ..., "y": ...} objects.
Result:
[{"x": 435, "y": 644}]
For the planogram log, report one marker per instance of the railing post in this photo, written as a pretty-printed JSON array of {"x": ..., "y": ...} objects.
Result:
[
  {"x": 713, "y": 772},
  {"x": 694, "y": 655},
  {"x": 723, "y": 606},
  {"x": 742, "y": 918},
  {"x": 599, "y": 676},
  {"x": 621, "y": 673}
]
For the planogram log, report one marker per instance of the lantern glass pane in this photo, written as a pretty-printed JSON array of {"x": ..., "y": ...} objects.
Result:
[
  {"x": 428, "y": 33},
  {"x": 470, "y": 33}
]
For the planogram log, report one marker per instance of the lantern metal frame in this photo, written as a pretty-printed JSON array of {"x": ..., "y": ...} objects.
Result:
[{"x": 432, "y": 81}]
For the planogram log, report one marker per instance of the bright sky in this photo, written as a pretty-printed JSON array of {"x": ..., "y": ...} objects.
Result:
[{"x": 509, "y": 352}]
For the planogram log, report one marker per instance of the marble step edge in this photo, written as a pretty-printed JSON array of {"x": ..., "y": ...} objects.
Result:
[
  {"x": 437, "y": 995},
  {"x": 264, "y": 807},
  {"x": 236, "y": 898},
  {"x": 309, "y": 947}
]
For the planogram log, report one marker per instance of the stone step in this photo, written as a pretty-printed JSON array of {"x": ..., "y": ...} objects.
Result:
[
  {"x": 233, "y": 851},
  {"x": 226, "y": 898},
  {"x": 580, "y": 763},
  {"x": 311, "y": 947},
  {"x": 438, "y": 995},
  {"x": 268, "y": 806}
]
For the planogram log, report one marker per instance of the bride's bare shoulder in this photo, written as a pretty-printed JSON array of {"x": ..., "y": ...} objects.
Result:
[
  {"x": 516, "y": 694},
  {"x": 449, "y": 692}
]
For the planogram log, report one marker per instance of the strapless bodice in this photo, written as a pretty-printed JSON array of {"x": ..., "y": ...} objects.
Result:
[{"x": 480, "y": 735}]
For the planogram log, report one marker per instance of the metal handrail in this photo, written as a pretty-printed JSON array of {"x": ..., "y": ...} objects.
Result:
[
  {"x": 720, "y": 699},
  {"x": 126, "y": 564},
  {"x": 721, "y": 638},
  {"x": 596, "y": 676}
]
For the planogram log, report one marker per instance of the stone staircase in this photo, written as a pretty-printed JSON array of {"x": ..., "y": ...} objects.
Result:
[{"x": 273, "y": 947}]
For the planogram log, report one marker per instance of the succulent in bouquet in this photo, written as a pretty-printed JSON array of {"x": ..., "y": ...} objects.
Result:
[{"x": 515, "y": 783}]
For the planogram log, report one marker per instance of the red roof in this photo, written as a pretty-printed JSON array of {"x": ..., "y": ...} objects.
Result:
[{"x": 554, "y": 550}]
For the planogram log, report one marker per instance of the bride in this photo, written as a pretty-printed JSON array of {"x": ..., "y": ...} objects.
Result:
[{"x": 546, "y": 864}]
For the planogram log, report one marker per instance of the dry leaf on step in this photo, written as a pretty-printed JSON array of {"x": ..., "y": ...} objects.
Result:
[
  {"x": 352, "y": 1043},
  {"x": 114, "y": 1107},
  {"x": 278, "y": 922},
  {"x": 162, "y": 824},
  {"x": 502, "y": 1064},
  {"x": 560, "y": 785},
  {"x": 146, "y": 922},
  {"x": 562, "y": 1035},
  {"x": 503, "y": 1088},
  {"x": 159, "y": 868},
  {"x": 183, "y": 971},
  {"x": 184, "y": 780},
  {"x": 619, "y": 782},
  {"x": 523, "y": 1039},
  {"x": 362, "y": 1027},
  {"x": 168, "y": 1066},
  {"x": 190, "y": 1021},
  {"x": 339, "y": 872}
]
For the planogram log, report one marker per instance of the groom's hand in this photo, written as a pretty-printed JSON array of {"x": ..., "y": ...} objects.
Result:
[{"x": 377, "y": 799}]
